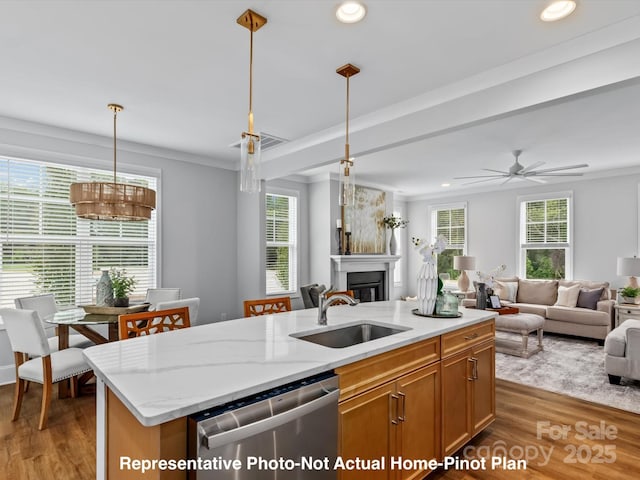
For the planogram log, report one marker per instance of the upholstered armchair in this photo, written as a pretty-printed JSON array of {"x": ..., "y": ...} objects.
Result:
[{"x": 622, "y": 352}]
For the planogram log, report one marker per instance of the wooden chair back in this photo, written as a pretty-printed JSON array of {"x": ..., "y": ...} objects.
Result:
[
  {"x": 148, "y": 323},
  {"x": 348, "y": 293},
  {"x": 266, "y": 306}
]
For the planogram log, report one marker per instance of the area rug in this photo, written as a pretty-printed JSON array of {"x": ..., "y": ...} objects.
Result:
[{"x": 570, "y": 366}]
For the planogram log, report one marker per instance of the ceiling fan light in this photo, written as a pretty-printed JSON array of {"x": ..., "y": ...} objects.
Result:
[
  {"x": 558, "y": 10},
  {"x": 350, "y": 12}
]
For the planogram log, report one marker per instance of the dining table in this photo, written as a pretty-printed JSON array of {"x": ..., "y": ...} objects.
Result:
[{"x": 81, "y": 320}]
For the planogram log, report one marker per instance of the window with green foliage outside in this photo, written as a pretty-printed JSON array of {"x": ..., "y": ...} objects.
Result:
[
  {"x": 545, "y": 241},
  {"x": 281, "y": 243},
  {"x": 451, "y": 223},
  {"x": 45, "y": 248}
]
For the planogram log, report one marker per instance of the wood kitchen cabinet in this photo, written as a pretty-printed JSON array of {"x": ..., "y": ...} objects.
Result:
[
  {"x": 400, "y": 418},
  {"x": 468, "y": 385}
]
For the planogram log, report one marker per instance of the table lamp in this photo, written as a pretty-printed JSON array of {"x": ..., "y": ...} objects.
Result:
[
  {"x": 628, "y": 267},
  {"x": 464, "y": 263}
]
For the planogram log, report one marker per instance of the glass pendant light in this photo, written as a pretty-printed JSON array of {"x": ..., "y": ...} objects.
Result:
[
  {"x": 250, "y": 141},
  {"x": 347, "y": 186}
]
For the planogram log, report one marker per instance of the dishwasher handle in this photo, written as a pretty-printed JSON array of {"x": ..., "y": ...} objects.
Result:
[{"x": 245, "y": 431}]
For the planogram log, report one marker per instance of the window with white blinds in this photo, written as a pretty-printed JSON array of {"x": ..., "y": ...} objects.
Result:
[
  {"x": 450, "y": 221},
  {"x": 545, "y": 241},
  {"x": 45, "y": 248},
  {"x": 282, "y": 243}
]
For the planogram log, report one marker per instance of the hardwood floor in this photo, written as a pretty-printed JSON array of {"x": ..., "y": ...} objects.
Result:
[{"x": 66, "y": 449}]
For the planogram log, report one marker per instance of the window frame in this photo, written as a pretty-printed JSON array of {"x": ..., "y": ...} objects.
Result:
[
  {"x": 433, "y": 213},
  {"x": 294, "y": 271},
  {"x": 80, "y": 236},
  {"x": 523, "y": 246}
]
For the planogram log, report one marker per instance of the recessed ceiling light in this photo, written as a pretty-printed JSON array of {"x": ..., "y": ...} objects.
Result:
[
  {"x": 351, "y": 12},
  {"x": 445, "y": 185},
  {"x": 557, "y": 10}
]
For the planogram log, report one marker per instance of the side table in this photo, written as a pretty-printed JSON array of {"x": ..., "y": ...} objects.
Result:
[{"x": 625, "y": 311}]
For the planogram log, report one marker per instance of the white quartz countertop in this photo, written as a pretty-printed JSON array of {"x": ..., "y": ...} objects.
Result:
[{"x": 174, "y": 374}]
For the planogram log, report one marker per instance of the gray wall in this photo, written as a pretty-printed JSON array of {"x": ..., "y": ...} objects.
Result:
[{"x": 605, "y": 226}]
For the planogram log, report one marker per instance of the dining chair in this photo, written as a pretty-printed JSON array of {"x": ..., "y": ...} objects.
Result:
[
  {"x": 147, "y": 323},
  {"x": 192, "y": 303},
  {"x": 348, "y": 293},
  {"x": 155, "y": 295},
  {"x": 28, "y": 339},
  {"x": 45, "y": 306},
  {"x": 266, "y": 306}
]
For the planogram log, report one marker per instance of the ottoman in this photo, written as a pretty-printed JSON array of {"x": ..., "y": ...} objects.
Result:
[{"x": 522, "y": 323}]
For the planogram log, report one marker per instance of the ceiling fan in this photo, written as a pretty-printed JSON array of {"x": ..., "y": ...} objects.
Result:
[{"x": 529, "y": 173}]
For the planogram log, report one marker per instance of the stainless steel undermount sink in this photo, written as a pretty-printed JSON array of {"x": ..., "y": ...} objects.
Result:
[{"x": 349, "y": 335}]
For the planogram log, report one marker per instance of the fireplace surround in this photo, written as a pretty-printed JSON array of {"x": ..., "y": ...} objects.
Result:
[{"x": 343, "y": 265}]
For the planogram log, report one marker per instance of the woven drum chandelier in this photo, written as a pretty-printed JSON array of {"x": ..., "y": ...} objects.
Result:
[{"x": 111, "y": 200}]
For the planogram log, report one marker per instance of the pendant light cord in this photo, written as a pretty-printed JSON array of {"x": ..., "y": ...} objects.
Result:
[
  {"x": 115, "y": 114},
  {"x": 251, "y": 83}
]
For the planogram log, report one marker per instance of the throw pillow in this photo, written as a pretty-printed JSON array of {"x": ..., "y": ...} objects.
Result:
[
  {"x": 589, "y": 298},
  {"x": 507, "y": 291},
  {"x": 538, "y": 292},
  {"x": 568, "y": 296}
]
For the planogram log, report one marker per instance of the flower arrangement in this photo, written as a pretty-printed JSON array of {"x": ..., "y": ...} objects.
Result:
[
  {"x": 392, "y": 222},
  {"x": 489, "y": 278},
  {"x": 427, "y": 251},
  {"x": 123, "y": 285}
]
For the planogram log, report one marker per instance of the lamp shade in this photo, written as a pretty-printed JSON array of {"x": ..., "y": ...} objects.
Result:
[
  {"x": 627, "y": 266},
  {"x": 464, "y": 262}
]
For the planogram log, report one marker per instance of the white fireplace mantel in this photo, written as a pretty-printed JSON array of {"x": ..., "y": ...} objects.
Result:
[{"x": 343, "y": 264}]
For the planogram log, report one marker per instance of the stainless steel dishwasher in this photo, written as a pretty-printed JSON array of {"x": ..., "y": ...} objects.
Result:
[{"x": 287, "y": 433}]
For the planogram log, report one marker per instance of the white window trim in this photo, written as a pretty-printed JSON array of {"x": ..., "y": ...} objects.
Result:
[
  {"x": 290, "y": 193},
  {"x": 449, "y": 206},
  {"x": 521, "y": 222}
]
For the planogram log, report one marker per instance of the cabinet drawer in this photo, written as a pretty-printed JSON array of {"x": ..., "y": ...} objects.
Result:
[
  {"x": 458, "y": 340},
  {"x": 360, "y": 376}
]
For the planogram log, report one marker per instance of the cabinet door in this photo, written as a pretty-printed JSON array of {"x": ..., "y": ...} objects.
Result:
[
  {"x": 366, "y": 430},
  {"x": 456, "y": 401},
  {"x": 484, "y": 398},
  {"x": 419, "y": 437}
]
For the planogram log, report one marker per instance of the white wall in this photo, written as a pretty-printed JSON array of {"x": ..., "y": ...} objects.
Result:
[{"x": 605, "y": 226}]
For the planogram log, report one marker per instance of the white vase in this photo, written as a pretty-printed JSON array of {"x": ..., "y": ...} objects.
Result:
[
  {"x": 427, "y": 288},
  {"x": 393, "y": 245}
]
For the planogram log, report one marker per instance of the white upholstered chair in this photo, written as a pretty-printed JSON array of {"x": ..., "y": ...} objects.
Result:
[
  {"x": 45, "y": 305},
  {"x": 155, "y": 295},
  {"x": 192, "y": 303},
  {"x": 27, "y": 338}
]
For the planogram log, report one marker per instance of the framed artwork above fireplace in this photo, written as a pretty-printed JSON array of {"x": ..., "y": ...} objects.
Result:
[{"x": 367, "y": 231}]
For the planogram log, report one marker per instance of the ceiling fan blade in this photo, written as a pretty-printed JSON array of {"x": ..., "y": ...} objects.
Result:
[
  {"x": 577, "y": 174},
  {"x": 530, "y": 167},
  {"x": 556, "y": 169},
  {"x": 531, "y": 178},
  {"x": 508, "y": 179},
  {"x": 497, "y": 171},
  {"x": 479, "y": 176},
  {"x": 481, "y": 181}
]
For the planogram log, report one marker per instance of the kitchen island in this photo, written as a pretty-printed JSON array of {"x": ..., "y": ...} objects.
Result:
[{"x": 151, "y": 384}]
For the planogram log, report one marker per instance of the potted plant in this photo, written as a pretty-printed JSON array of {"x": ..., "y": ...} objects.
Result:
[
  {"x": 123, "y": 285},
  {"x": 392, "y": 222},
  {"x": 629, "y": 294}
]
